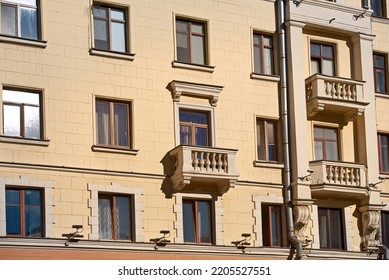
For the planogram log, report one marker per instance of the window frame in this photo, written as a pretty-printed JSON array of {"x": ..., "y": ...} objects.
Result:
[
  {"x": 381, "y": 13},
  {"x": 380, "y": 155},
  {"x": 262, "y": 53},
  {"x": 382, "y": 70},
  {"x": 266, "y": 138},
  {"x": 211, "y": 216},
  {"x": 111, "y": 146},
  {"x": 22, "y": 206},
  {"x": 131, "y": 215},
  {"x": 324, "y": 140},
  {"x": 321, "y": 58},
  {"x": 329, "y": 233},
  {"x": 267, "y": 225},
  {"x": 193, "y": 127},
  {"x": 385, "y": 228}
]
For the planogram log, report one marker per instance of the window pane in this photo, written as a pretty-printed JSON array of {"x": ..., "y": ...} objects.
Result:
[
  {"x": 117, "y": 14},
  {"x": 182, "y": 26},
  {"x": 328, "y": 67},
  {"x": 318, "y": 132},
  {"x": 332, "y": 151},
  {"x": 315, "y": 50},
  {"x": 123, "y": 225},
  {"x": 21, "y": 97},
  {"x": 335, "y": 220},
  {"x": 204, "y": 221},
  {"x": 121, "y": 124},
  {"x": 183, "y": 51},
  {"x": 11, "y": 120},
  {"x": 105, "y": 218},
  {"x": 276, "y": 225},
  {"x": 12, "y": 197},
  {"x": 261, "y": 142},
  {"x": 384, "y": 153},
  {"x": 193, "y": 117},
  {"x": 323, "y": 231},
  {"x": 328, "y": 51},
  {"x": 331, "y": 134},
  {"x": 28, "y": 23},
  {"x": 32, "y": 197},
  {"x": 13, "y": 220},
  {"x": 268, "y": 61},
  {"x": 185, "y": 135},
  {"x": 101, "y": 35},
  {"x": 198, "y": 28},
  {"x": 385, "y": 228},
  {"x": 32, "y": 122},
  {"x": 8, "y": 20},
  {"x": 189, "y": 222},
  {"x": 257, "y": 60},
  {"x": 257, "y": 39},
  {"x": 314, "y": 67},
  {"x": 379, "y": 61},
  {"x": 118, "y": 37},
  {"x": 319, "y": 150},
  {"x": 201, "y": 137},
  {"x": 267, "y": 41},
  {"x": 25, "y": 2},
  {"x": 380, "y": 79},
  {"x": 198, "y": 56},
  {"x": 33, "y": 221},
  {"x": 103, "y": 130}
]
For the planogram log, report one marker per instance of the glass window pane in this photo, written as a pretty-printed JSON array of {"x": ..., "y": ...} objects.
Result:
[
  {"x": 11, "y": 120},
  {"x": 25, "y": 2},
  {"x": 314, "y": 67},
  {"x": 201, "y": 137},
  {"x": 189, "y": 222},
  {"x": 318, "y": 132},
  {"x": 118, "y": 37},
  {"x": 12, "y": 218},
  {"x": 335, "y": 220},
  {"x": 204, "y": 221},
  {"x": 123, "y": 224},
  {"x": 323, "y": 232},
  {"x": 198, "y": 28},
  {"x": 103, "y": 130},
  {"x": 21, "y": 97},
  {"x": 328, "y": 51},
  {"x": 270, "y": 132},
  {"x": 101, "y": 34},
  {"x": 183, "y": 51},
  {"x": 117, "y": 14},
  {"x": 385, "y": 228},
  {"x": 12, "y": 197},
  {"x": 384, "y": 153},
  {"x": 32, "y": 197},
  {"x": 100, "y": 12},
  {"x": 32, "y": 122},
  {"x": 193, "y": 117},
  {"x": 28, "y": 23},
  {"x": 105, "y": 218},
  {"x": 315, "y": 50},
  {"x": 182, "y": 26},
  {"x": 258, "y": 60},
  {"x": 379, "y": 61},
  {"x": 33, "y": 221},
  {"x": 261, "y": 142},
  {"x": 319, "y": 150},
  {"x": 380, "y": 79},
  {"x": 276, "y": 225},
  {"x": 268, "y": 61},
  {"x": 328, "y": 67},
  {"x": 331, "y": 134},
  {"x": 185, "y": 135},
  {"x": 198, "y": 55},
  {"x": 121, "y": 124},
  {"x": 332, "y": 151},
  {"x": 267, "y": 41},
  {"x": 8, "y": 20},
  {"x": 257, "y": 39}
]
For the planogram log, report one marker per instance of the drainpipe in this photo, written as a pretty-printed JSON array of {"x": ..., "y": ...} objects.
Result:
[{"x": 296, "y": 244}]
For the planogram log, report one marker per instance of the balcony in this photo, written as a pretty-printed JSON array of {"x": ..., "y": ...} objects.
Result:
[
  {"x": 336, "y": 96},
  {"x": 338, "y": 179},
  {"x": 203, "y": 166}
]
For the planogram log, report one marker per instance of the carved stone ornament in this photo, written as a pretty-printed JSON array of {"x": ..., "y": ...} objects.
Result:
[
  {"x": 302, "y": 215},
  {"x": 371, "y": 224}
]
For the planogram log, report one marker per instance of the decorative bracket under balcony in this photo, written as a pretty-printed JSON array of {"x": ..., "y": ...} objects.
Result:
[
  {"x": 211, "y": 92},
  {"x": 333, "y": 95},
  {"x": 203, "y": 166}
]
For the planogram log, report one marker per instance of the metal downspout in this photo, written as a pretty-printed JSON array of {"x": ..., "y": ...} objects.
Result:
[{"x": 296, "y": 245}]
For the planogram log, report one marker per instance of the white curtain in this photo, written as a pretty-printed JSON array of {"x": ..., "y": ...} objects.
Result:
[{"x": 105, "y": 218}]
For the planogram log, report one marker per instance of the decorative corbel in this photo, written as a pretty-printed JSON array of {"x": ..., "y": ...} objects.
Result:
[
  {"x": 370, "y": 224},
  {"x": 302, "y": 215}
]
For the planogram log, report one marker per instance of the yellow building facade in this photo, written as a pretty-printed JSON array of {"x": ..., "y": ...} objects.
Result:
[{"x": 162, "y": 128}]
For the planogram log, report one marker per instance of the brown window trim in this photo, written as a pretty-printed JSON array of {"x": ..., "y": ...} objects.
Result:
[
  {"x": 329, "y": 227},
  {"x": 377, "y": 69},
  {"x": 193, "y": 126},
  {"x": 276, "y": 144},
  {"x": 262, "y": 53},
  {"x": 267, "y": 232},
  {"x": 324, "y": 140},
  {"x": 380, "y": 156},
  {"x": 322, "y": 57}
]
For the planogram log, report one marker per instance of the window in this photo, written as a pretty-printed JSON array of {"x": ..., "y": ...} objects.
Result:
[
  {"x": 191, "y": 41},
  {"x": 24, "y": 212},
  {"x": 272, "y": 225},
  {"x": 194, "y": 128},
  {"x": 322, "y": 59},
  {"x": 379, "y": 8},
  {"x": 22, "y": 115},
  {"x": 385, "y": 228},
  {"x": 115, "y": 219},
  {"x": 110, "y": 28},
  {"x": 263, "y": 54},
  {"x": 383, "y": 150},
  {"x": 380, "y": 75},
  {"x": 20, "y": 18},
  {"x": 326, "y": 143},
  {"x": 266, "y": 140},
  {"x": 113, "y": 123},
  {"x": 197, "y": 218},
  {"x": 331, "y": 228}
]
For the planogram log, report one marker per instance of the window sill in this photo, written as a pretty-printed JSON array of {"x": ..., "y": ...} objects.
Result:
[
  {"x": 271, "y": 78},
  {"x": 189, "y": 66},
  {"x": 26, "y": 141},
  {"x": 114, "y": 150},
  {"x": 268, "y": 164},
  {"x": 379, "y": 19},
  {"x": 111, "y": 54},
  {"x": 383, "y": 95},
  {"x": 23, "y": 41}
]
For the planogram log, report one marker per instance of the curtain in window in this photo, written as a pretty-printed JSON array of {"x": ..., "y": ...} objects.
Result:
[
  {"x": 121, "y": 124},
  {"x": 323, "y": 229},
  {"x": 102, "y": 122},
  {"x": 105, "y": 218}
]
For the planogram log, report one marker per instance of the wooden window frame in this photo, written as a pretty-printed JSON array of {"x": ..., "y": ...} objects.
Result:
[
  {"x": 262, "y": 48},
  {"x": 267, "y": 225},
  {"x": 109, "y": 21},
  {"x": 324, "y": 140},
  {"x": 322, "y": 57},
  {"x": 112, "y": 125},
  {"x": 194, "y": 203},
  {"x": 22, "y": 211},
  {"x": 380, "y": 70},
  {"x": 22, "y": 106},
  {"x": 190, "y": 34},
  {"x": 329, "y": 233},
  {"x": 266, "y": 137},
  {"x": 380, "y": 155},
  {"x": 112, "y": 197},
  {"x": 193, "y": 126},
  {"x": 17, "y": 19},
  {"x": 384, "y": 228},
  {"x": 382, "y": 10}
]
